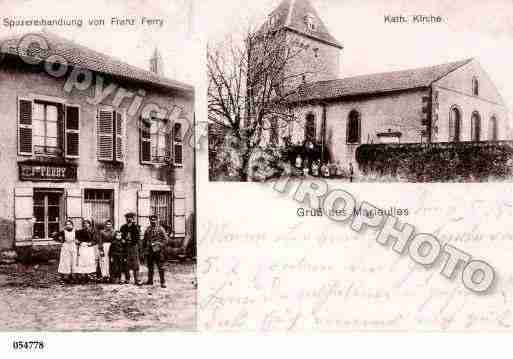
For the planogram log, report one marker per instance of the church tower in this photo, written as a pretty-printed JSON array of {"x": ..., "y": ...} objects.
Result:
[
  {"x": 156, "y": 63},
  {"x": 318, "y": 58}
]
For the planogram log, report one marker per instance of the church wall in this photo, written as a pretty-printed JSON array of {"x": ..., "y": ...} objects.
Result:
[
  {"x": 395, "y": 112},
  {"x": 466, "y": 105},
  {"x": 456, "y": 90},
  {"x": 400, "y": 112}
]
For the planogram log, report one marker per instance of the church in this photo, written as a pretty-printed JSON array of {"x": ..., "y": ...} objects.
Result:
[{"x": 443, "y": 103}]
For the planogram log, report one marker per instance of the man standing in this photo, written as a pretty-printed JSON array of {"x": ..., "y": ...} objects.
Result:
[
  {"x": 155, "y": 238},
  {"x": 131, "y": 235}
]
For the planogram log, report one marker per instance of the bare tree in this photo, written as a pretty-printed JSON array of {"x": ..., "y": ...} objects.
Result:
[{"x": 250, "y": 85}]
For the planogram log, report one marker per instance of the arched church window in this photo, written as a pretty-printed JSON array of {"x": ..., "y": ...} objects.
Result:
[
  {"x": 475, "y": 123},
  {"x": 454, "y": 124},
  {"x": 310, "y": 128},
  {"x": 353, "y": 127},
  {"x": 475, "y": 86},
  {"x": 494, "y": 129}
]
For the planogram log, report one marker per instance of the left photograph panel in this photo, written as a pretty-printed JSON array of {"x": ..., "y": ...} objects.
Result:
[{"x": 97, "y": 184}]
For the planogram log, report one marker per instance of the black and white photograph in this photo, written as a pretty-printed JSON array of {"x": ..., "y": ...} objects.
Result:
[
  {"x": 362, "y": 92},
  {"x": 97, "y": 184}
]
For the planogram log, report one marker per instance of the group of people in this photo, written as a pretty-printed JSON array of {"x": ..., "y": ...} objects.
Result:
[{"x": 105, "y": 255}]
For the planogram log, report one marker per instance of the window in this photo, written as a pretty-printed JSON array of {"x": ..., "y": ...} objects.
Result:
[
  {"x": 475, "y": 127},
  {"x": 310, "y": 128},
  {"x": 48, "y": 212},
  {"x": 109, "y": 135},
  {"x": 353, "y": 127},
  {"x": 475, "y": 86},
  {"x": 159, "y": 140},
  {"x": 494, "y": 130},
  {"x": 154, "y": 138},
  {"x": 454, "y": 124},
  {"x": 160, "y": 203},
  {"x": 48, "y": 128},
  {"x": 98, "y": 205},
  {"x": 45, "y": 128}
]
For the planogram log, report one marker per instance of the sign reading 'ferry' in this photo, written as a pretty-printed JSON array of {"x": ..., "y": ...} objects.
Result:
[{"x": 47, "y": 172}]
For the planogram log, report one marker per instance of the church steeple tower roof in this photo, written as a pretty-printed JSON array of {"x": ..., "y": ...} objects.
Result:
[{"x": 301, "y": 17}]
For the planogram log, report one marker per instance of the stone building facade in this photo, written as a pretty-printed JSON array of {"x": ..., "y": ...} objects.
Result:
[
  {"x": 66, "y": 154},
  {"x": 449, "y": 102}
]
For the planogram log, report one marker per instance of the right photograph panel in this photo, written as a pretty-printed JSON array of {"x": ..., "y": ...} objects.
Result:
[
  {"x": 369, "y": 92},
  {"x": 359, "y": 167}
]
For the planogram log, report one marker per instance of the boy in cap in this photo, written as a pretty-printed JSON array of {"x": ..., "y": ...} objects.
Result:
[
  {"x": 155, "y": 238},
  {"x": 131, "y": 234}
]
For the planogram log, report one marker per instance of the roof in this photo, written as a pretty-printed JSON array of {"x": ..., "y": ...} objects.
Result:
[
  {"x": 291, "y": 15},
  {"x": 377, "y": 83},
  {"x": 86, "y": 58}
]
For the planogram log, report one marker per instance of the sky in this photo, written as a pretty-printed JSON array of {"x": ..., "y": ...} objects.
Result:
[
  {"x": 132, "y": 44},
  {"x": 479, "y": 29}
]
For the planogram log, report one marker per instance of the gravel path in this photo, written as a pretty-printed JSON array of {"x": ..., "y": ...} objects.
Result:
[{"x": 32, "y": 298}]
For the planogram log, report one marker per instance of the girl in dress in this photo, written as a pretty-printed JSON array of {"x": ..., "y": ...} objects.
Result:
[
  {"x": 68, "y": 256},
  {"x": 86, "y": 261},
  {"x": 105, "y": 239}
]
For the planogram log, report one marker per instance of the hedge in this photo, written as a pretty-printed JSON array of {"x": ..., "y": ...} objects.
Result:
[{"x": 438, "y": 162}]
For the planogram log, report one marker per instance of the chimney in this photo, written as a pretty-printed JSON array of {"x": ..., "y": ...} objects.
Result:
[{"x": 156, "y": 63}]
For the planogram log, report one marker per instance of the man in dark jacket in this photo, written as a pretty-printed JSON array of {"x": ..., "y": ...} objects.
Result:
[
  {"x": 131, "y": 234},
  {"x": 155, "y": 239}
]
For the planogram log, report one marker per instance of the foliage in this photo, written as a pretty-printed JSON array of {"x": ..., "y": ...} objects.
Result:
[{"x": 437, "y": 162}]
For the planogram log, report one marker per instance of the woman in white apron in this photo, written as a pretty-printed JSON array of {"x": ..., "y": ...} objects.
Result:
[
  {"x": 105, "y": 239},
  {"x": 68, "y": 256},
  {"x": 87, "y": 250}
]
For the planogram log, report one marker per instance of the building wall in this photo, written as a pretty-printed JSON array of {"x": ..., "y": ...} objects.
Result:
[
  {"x": 317, "y": 60},
  {"x": 401, "y": 112},
  {"x": 455, "y": 89},
  {"x": 130, "y": 183}
]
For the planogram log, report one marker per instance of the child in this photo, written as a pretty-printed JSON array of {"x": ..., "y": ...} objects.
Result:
[{"x": 117, "y": 257}]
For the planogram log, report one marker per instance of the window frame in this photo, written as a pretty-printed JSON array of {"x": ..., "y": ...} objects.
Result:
[
  {"x": 458, "y": 127},
  {"x": 359, "y": 127},
  {"x": 53, "y": 100},
  {"x": 494, "y": 128},
  {"x": 45, "y": 222},
  {"x": 111, "y": 201},
  {"x": 475, "y": 126},
  {"x": 475, "y": 86}
]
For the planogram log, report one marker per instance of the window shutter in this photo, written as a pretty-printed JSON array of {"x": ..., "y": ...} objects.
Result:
[
  {"x": 72, "y": 129},
  {"x": 105, "y": 135},
  {"x": 177, "y": 146},
  {"x": 169, "y": 145},
  {"x": 23, "y": 213},
  {"x": 25, "y": 127},
  {"x": 179, "y": 213},
  {"x": 119, "y": 136},
  {"x": 145, "y": 141},
  {"x": 143, "y": 209}
]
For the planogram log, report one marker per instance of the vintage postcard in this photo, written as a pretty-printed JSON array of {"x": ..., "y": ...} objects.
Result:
[
  {"x": 97, "y": 214},
  {"x": 359, "y": 167}
]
